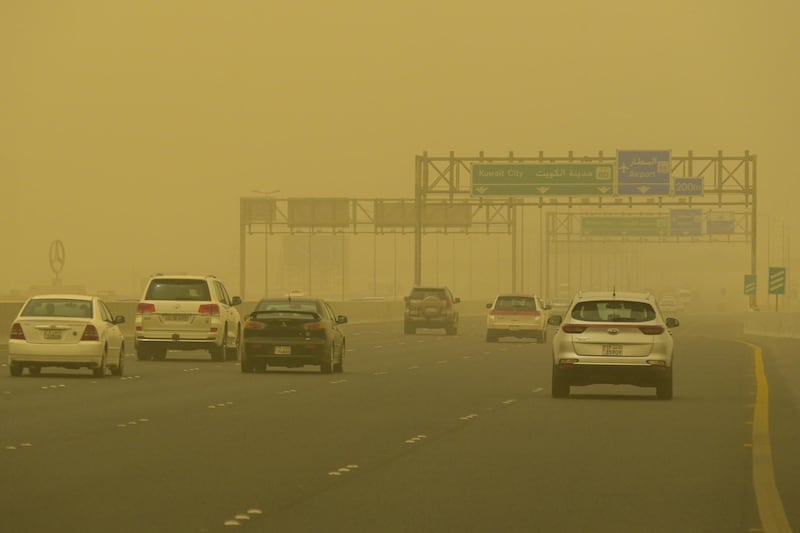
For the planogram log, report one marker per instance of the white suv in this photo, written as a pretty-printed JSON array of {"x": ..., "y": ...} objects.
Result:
[
  {"x": 613, "y": 338},
  {"x": 185, "y": 312}
]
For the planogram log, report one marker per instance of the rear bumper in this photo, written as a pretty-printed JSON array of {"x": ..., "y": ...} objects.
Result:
[
  {"x": 83, "y": 354},
  {"x": 180, "y": 344},
  {"x": 301, "y": 352},
  {"x": 642, "y": 375}
]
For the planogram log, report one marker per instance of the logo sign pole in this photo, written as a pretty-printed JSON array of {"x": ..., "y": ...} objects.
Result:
[{"x": 58, "y": 258}]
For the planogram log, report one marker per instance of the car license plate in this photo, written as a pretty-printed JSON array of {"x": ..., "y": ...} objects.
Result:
[
  {"x": 283, "y": 350},
  {"x": 52, "y": 334},
  {"x": 175, "y": 318},
  {"x": 612, "y": 349}
]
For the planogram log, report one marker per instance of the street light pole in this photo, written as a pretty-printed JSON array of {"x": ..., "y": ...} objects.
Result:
[{"x": 267, "y": 221}]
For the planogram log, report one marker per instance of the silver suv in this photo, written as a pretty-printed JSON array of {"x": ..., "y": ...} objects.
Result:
[
  {"x": 185, "y": 312},
  {"x": 613, "y": 338}
]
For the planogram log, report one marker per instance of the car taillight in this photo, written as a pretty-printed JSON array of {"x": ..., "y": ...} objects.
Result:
[
  {"x": 90, "y": 334},
  {"x": 145, "y": 308},
  {"x": 252, "y": 324},
  {"x": 16, "y": 332},
  {"x": 209, "y": 309},
  {"x": 652, "y": 330},
  {"x": 573, "y": 328},
  {"x": 314, "y": 326}
]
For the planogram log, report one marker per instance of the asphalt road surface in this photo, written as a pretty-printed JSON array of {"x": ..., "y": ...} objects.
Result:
[{"x": 422, "y": 433}]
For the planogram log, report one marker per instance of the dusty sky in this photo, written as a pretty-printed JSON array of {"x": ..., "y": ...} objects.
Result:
[{"x": 130, "y": 129}]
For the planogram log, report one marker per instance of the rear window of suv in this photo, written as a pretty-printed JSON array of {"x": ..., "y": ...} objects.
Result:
[
  {"x": 613, "y": 311},
  {"x": 421, "y": 294},
  {"x": 509, "y": 303},
  {"x": 178, "y": 289}
]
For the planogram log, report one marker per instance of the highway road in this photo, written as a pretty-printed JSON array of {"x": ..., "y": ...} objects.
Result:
[{"x": 422, "y": 433}]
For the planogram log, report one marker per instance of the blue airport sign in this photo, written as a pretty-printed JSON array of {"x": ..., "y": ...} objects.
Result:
[
  {"x": 644, "y": 172},
  {"x": 687, "y": 186},
  {"x": 686, "y": 222}
]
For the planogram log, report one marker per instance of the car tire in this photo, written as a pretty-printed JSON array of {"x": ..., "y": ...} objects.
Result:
[
  {"x": 338, "y": 368},
  {"x": 34, "y": 370},
  {"x": 100, "y": 371},
  {"x": 120, "y": 367},
  {"x": 664, "y": 387},
  {"x": 234, "y": 354},
  {"x": 247, "y": 366},
  {"x": 326, "y": 367},
  {"x": 260, "y": 366},
  {"x": 15, "y": 369},
  {"x": 491, "y": 337},
  {"x": 408, "y": 329},
  {"x": 144, "y": 352},
  {"x": 543, "y": 337},
  {"x": 559, "y": 387},
  {"x": 218, "y": 352},
  {"x": 451, "y": 330}
]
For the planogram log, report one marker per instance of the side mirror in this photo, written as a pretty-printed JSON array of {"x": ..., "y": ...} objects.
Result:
[
  {"x": 341, "y": 319},
  {"x": 673, "y": 322},
  {"x": 488, "y": 306},
  {"x": 554, "y": 320},
  {"x": 456, "y": 300},
  {"x": 236, "y": 300},
  {"x": 546, "y": 306},
  {"x": 119, "y": 319}
]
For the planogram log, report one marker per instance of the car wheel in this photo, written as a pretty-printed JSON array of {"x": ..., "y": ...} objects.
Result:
[
  {"x": 326, "y": 367},
  {"x": 490, "y": 337},
  {"x": 233, "y": 354},
  {"x": 247, "y": 366},
  {"x": 260, "y": 366},
  {"x": 543, "y": 337},
  {"x": 218, "y": 352},
  {"x": 34, "y": 370},
  {"x": 560, "y": 388},
  {"x": 143, "y": 352},
  {"x": 451, "y": 330},
  {"x": 15, "y": 369},
  {"x": 408, "y": 329},
  {"x": 100, "y": 371},
  {"x": 339, "y": 367},
  {"x": 119, "y": 369},
  {"x": 664, "y": 387}
]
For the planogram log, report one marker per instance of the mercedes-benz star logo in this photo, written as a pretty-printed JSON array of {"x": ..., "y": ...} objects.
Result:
[{"x": 58, "y": 256}]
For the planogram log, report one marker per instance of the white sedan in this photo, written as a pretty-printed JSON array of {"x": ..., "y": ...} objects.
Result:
[{"x": 67, "y": 331}]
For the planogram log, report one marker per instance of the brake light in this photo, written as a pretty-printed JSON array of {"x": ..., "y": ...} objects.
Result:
[
  {"x": 209, "y": 309},
  {"x": 252, "y": 324},
  {"x": 16, "y": 332},
  {"x": 314, "y": 326},
  {"x": 573, "y": 328},
  {"x": 145, "y": 308},
  {"x": 90, "y": 333},
  {"x": 652, "y": 330}
]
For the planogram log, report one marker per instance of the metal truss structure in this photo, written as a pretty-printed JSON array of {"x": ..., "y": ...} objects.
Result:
[{"x": 444, "y": 203}]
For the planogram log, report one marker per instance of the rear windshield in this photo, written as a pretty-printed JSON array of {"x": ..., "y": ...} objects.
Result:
[
  {"x": 421, "y": 294},
  {"x": 288, "y": 306},
  {"x": 59, "y": 307},
  {"x": 613, "y": 311},
  {"x": 515, "y": 303},
  {"x": 178, "y": 289}
]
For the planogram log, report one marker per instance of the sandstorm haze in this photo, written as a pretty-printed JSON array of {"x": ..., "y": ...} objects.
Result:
[{"x": 129, "y": 130}]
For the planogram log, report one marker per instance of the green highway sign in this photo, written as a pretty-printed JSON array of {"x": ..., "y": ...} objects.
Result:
[
  {"x": 777, "y": 280},
  {"x": 543, "y": 179},
  {"x": 622, "y": 226},
  {"x": 749, "y": 284}
]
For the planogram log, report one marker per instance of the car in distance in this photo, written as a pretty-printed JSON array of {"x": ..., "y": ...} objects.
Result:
[
  {"x": 67, "y": 331},
  {"x": 613, "y": 338},
  {"x": 187, "y": 312},
  {"x": 430, "y": 307},
  {"x": 293, "y": 332},
  {"x": 517, "y": 315}
]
